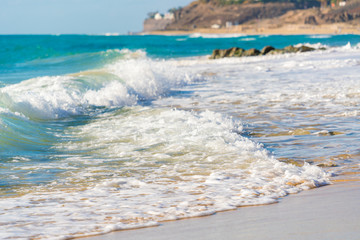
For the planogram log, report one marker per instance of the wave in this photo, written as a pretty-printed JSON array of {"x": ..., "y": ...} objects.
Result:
[
  {"x": 247, "y": 39},
  {"x": 347, "y": 47},
  {"x": 208, "y": 35},
  {"x": 320, "y": 36},
  {"x": 176, "y": 163},
  {"x": 130, "y": 80}
]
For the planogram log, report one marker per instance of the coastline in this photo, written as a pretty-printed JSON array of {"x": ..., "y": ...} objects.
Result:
[
  {"x": 265, "y": 29},
  {"x": 329, "y": 212}
]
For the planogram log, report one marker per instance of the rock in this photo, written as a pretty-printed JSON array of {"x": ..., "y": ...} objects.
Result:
[
  {"x": 225, "y": 53},
  {"x": 251, "y": 52},
  {"x": 220, "y": 53},
  {"x": 231, "y": 52},
  {"x": 276, "y": 51},
  {"x": 306, "y": 49},
  {"x": 291, "y": 49},
  {"x": 237, "y": 52},
  {"x": 327, "y": 164},
  {"x": 310, "y": 20},
  {"x": 215, "y": 54},
  {"x": 266, "y": 50}
]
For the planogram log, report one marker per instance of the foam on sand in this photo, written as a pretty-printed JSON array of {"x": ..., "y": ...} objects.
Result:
[
  {"x": 178, "y": 164},
  {"x": 326, "y": 213}
]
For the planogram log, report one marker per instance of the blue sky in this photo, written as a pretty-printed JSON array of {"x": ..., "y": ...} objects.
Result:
[{"x": 78, "y": 16}]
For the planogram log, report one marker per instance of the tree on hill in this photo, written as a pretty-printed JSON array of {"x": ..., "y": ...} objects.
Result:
[
  {"x": 173, "y": 10},
  {"x": 151, "y": 15}
]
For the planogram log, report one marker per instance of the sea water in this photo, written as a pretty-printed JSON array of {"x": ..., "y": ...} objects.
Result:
[{"x": 103, "y": 133}]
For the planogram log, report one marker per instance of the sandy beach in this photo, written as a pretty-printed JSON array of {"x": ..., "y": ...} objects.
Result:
[
  {"x": 329, "y": 212},
  {"x": 266, "y": 29}
]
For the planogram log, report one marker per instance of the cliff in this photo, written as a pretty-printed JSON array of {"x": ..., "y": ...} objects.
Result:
[
  {"x": 224, "y": 14},
  {"x": 204, "y": 15}
]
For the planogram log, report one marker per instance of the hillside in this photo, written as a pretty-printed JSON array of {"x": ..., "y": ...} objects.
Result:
[{"x": 204, "y": 14}]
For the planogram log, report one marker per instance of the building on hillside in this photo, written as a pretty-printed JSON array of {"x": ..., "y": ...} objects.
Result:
[
  {"x": 158, "y": 22},
  {"x": 228, "y": 24},
  {"x": 158, "y": 16},
  {"x": 342, "y": 3},
  {"x": 169, "y": 16}
]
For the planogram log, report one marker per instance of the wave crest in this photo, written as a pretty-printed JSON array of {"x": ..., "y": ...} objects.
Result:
[{"x": 127, "y": 81}]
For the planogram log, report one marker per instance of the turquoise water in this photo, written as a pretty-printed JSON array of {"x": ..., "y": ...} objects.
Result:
[
  {"x": 25, "y": 57},
  {"x": 148, "y": 122}
]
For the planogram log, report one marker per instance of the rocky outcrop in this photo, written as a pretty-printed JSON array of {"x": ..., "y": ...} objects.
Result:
[
  {"x": 268, "y": 50},
  {"x": 208, "y": 13},
  {"x": 310, "y": 20},
  {"x": 350, "y": 12},
  {"x": 204, "y": 15},
  {"x": 255, "y": 15}
]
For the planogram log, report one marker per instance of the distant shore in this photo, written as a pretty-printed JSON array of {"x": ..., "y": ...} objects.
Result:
[{"x": 260, "y": 29}]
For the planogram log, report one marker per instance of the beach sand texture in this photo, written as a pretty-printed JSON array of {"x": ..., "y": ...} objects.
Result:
[{"x": 326, "y": 213}]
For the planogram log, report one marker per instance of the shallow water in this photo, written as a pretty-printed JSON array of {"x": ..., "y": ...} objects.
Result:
[{"x": 106, "y": 133}]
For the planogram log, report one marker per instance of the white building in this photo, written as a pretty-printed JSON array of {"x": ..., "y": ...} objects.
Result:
[
  {"x": 228, "y": 24},
  {"x": 158, "y": 16},
  {"x": 342, "y": 3},
  {"x": 169, "y": 16}
]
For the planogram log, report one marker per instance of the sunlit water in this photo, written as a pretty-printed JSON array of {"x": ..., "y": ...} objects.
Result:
[{"x": 105, "y": 133}]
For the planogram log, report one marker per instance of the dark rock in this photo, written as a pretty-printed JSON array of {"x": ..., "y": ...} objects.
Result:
[
  {"x": 310, "y": 20},
  {"x": 251, "y": 52},
  {"x": 231, "y": 52},
  {"x": 306, "y": 49},
  {"x": 291, "y": 49},
  {"x": 225, "y": 53},
  {"x": 237, "y": 52},
  {"x": 276, "y": 51},
  {"x": 266, "y": 50},
  {"x": 215, "y": 54}
]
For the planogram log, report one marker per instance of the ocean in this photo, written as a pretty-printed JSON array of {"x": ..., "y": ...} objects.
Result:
[{"x": 104, "y": 133}]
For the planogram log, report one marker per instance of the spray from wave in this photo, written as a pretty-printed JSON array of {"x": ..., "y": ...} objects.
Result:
[{"x": 128, "y": 81}]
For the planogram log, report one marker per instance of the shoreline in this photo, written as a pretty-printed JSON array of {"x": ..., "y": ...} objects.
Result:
[
  {"x": 328, "y": 212},
  {"x": 262, "y": 29}
]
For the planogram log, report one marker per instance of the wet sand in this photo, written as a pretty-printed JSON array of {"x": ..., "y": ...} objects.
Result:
[{"x": 325, "y": 213}]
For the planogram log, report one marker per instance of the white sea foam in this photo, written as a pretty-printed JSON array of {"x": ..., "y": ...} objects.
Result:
[
  {"x": 320, "y": 36},
  {"x": 137, "y": 166},
  {"x": 153, "y": 165},
  {"x": 207, "y": 35},
  {"x": 247, "y": 39},
  {"x": 323, "y": 78},
  {"x": 132, "y": 78},
  {"x": 312, "y": 45}
]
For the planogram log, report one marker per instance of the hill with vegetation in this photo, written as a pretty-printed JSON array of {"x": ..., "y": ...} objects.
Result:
[{"x": 225, "y": 13}]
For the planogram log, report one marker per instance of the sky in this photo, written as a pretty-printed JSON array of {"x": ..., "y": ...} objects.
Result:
[{"x": 79, "y": 16}]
